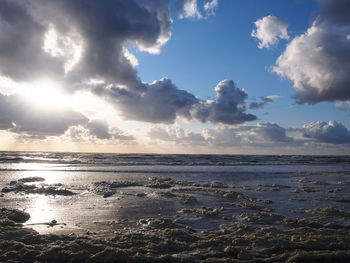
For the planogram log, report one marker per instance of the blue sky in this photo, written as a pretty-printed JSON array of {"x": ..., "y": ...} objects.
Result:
[
  {"x": 203, "y": 52},
  {"x": 189, "y": 76}
]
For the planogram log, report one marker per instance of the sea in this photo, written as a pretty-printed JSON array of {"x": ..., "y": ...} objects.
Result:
[
  {"x": 167, "y": 163},
  {"x": 119, "y": 190}
]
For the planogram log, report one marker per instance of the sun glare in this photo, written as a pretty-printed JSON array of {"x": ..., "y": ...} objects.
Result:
[{"x": 45, "y": 94}]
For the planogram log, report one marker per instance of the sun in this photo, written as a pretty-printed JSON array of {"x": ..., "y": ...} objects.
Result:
[{"x": 45, "y": 94}]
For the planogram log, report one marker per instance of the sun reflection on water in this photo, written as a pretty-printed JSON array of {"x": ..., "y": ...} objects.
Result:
[
  {"x": 50, "y": 177},
  {"x": 41, "y": 210},
  {"x": 33, "y": 166}
]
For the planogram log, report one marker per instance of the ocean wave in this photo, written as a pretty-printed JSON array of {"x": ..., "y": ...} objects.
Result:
[{"x": 100, "y": 159}]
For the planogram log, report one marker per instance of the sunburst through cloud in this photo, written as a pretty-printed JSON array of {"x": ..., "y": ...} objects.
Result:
[{"x": 174, "y": 131}]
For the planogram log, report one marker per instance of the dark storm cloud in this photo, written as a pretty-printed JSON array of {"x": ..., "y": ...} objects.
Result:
[
  {"x": 318, "y": 61},
  {"x": 331, "y": 132},
  {"x": 161, "y": 102},
  {"x": 104, "y": 27},
  {"x": 21, "y": 40},
  {"x": 336, "y": 11},
  {"x": 19, "y": 116}
]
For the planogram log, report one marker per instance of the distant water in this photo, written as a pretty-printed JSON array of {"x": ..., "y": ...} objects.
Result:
[{"x": 100, "y": 162}]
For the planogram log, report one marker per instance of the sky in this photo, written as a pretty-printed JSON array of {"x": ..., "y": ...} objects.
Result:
[{"x": 175, "y": 76}]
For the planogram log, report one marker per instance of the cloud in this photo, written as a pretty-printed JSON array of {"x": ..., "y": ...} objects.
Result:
[
  {"x": 261, "y": 134},
  {"x": 75, "y": 42},
  {"x": 131, "y": 57},
  {"x": 318, "y": 61},
  {"x": 84, "y": 135},
  {"x": 268, "y": 132},
  {"x": 210, "y": 6},
  {"x": 263, "y": 100},
  {"x": 265, "y": 137},
  {"x": 331, "y": 132},
  {"x": 228, "y": 108},
  {"x": 83, "y": 40},
  {"x": 19, "y": 116},
  {"x": 106, "y": 27},
  {"x": 119, "y": 135},
  {"x": 269, "y": 30},
  {"x": 163, "y": 102},
  {"x": 270, "y": 138},
  {"x": 190, "y": 9},
  {"x": 39, "y": 37},
  {"x": 21, "y": 55},
  {"x": 101, "y": 130},
  {"x": 176, "y": 135},
  {"x": 335, "y": 11},
  {"x": 345, "y": 106}
]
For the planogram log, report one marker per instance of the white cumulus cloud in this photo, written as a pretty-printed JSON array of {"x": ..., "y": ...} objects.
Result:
[
  {"x": 189, "y": 9},
  {"x": 269, "y": 30},
  {"x": 318, "y": 61},
  {"x": 210, "y": 6}
]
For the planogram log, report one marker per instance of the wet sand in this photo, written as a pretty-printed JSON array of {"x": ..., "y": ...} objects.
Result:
[{"x": 305, "y": 217}]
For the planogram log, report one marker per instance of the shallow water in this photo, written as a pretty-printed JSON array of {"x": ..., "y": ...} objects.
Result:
[{"x": 289, "y": 182}]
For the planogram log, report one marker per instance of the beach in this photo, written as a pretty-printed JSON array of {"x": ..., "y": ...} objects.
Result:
[
  {"x": 60, "y": 207},
  {"x": 174, "y": 131}
]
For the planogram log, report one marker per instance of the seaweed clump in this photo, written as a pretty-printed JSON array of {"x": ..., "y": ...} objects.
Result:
[
  {"x": 182, "y": 198},
  {"x": 252, "y": 206},
  {"x": 9, "y": 217},
  {"x": 31, "y": 179},
  {"x": 327, "y": 211},
  {"x": 201, "y": 211},
  {"x": 20, "y": 187},
  {"x": 215, "y": 192}
]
